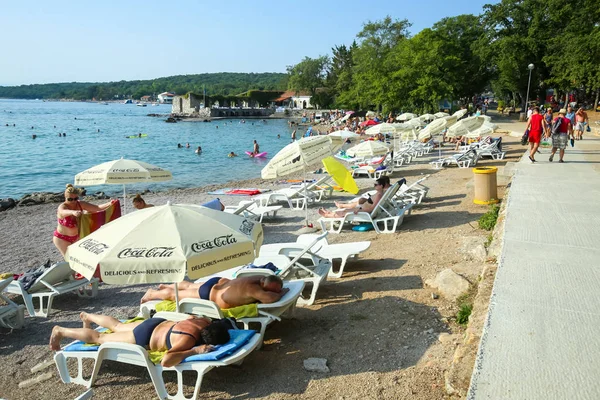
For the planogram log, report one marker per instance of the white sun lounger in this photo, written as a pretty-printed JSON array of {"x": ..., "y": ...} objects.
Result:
[
  {"x": 55, "y": 281},
  {"x": 319, "y": 188},
  {"x": 296, "y": 198},
  {"x": 12, "y": 315},
  {"x": 294, "y": 270},
  {"x": 137, "y": 355},
  {"x": 267, "y": 313},
  {"x": 250, "y": 209},
  {"x": 341, "y": 251},
  {"x": 462, "y": 160},
  {"x": 385, "y": 217}
]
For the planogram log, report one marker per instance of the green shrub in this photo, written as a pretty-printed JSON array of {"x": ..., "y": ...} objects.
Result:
[
  {"x": 488, "y": 220},
  {"x": 462, "y": 317}
]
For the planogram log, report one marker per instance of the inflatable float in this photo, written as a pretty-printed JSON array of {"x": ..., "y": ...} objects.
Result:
[
  {"x": 137, "y": 136},
  {"x": 259, "y": 155}
]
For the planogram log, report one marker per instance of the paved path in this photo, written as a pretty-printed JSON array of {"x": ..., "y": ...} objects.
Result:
[{"x": 541, "y": 339}]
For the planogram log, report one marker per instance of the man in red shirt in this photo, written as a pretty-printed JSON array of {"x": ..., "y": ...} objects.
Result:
[
  {"x": 560, "y": 138},
  {"x": 535, "y": 125}
]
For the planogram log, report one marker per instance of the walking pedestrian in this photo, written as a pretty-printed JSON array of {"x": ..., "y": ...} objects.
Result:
[
  {"x": 561, "y": 128},
  {"x": 536, "y": 126},
  {"x": 581, "y": 119}
]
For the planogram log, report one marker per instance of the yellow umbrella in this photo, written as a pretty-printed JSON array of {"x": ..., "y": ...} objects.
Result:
[{"x": 340, "y": 174}]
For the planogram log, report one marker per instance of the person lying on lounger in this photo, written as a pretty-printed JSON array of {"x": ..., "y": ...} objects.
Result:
[
  {"x": 381, "y": 185},
  {"x": 226, "y": 293},
  {"x": 385, "y": 180},
  {"x": 180, "y": 339}
]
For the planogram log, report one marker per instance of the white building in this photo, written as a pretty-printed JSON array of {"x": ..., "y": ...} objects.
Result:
[
  {"x": 166, "y": 97},
  {"x": 294, "y": 100}
]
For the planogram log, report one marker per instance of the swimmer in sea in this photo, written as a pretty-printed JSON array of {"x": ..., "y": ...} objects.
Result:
[
  {"x": 232, "y": 154},
  {"x": 187, "y": 146},
  {"x": 199, "y": 150},
  {"x": 179, "y": 146},
  {"x": 139, "y": 134},
  {"x": 278, "y": 136}
]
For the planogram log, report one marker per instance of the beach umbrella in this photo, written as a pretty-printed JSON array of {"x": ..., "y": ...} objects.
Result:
[
  {"x": 368, "y": 122},
  {"x": 416, "y": 122},
  {"x": 345, "y": 135},
  {"x": 369, "y": 148},
  {"x": 441, "y": 114},
  {"x": 165, "y": 244},
  {"x": 434, "y": 128},
  {"x": 450, "y": 120},
  {"x": 460, "y": 113},
  {"x": 427, "y": 117},
  {"x": 405, "y": 117},
  {"x": 122, "y": 172},
  {"x": 383, "y": 128},
  {"x": 340, "y": 174},
  {"x": 296, "y": 156},
  {"x": 465, "y": 126}
]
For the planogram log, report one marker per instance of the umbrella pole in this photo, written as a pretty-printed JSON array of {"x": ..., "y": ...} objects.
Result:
[
  {"x": 124, "y": 200},
  {"x": 305, "y": 193},
  {"x": 176, "y": 297}
]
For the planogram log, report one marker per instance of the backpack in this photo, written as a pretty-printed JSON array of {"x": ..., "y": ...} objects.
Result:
[{"x": 556, "y": 126}]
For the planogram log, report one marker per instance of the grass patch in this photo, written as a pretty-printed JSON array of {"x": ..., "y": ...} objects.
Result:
[
  {"x": 488, "y": 220},
  {"x": 463, "y": 314}
]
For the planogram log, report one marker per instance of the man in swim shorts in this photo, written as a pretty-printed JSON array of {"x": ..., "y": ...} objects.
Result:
[
  {"x": 226, "y": 293},
  {"x": 180, "y": 339}
]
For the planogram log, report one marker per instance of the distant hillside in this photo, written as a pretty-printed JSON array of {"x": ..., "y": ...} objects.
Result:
[{"x": 222, "y": 83}]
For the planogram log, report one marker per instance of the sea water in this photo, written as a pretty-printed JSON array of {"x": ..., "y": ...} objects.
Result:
[{"x": 97, "y": 133}]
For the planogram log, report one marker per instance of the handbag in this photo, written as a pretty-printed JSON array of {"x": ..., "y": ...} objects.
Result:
[
  {"x": 588, "y": 129},
  {"x": 525, "y": 137}
]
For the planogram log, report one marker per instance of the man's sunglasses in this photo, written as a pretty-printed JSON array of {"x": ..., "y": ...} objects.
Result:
[{"x": 73, "y": 199}]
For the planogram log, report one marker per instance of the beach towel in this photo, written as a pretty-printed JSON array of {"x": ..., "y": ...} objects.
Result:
[
  {"x": 246, "y": 192},
  {"x": 248, "y": 310},
  {"x": 89, "y": 223}
]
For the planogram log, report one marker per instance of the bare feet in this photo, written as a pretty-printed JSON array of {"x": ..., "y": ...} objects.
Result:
[
  {"x": 322, "y": 212},
  {"x": 339, "y": 204},
  {"x": 55, "y": 338},
  {"x": 148, "y": 296},
  {"x": 163, "y": 286},
  {"x": 86, "y": 322}
]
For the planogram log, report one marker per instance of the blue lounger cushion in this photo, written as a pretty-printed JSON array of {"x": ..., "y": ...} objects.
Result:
[{"x": 238, "y": 338}]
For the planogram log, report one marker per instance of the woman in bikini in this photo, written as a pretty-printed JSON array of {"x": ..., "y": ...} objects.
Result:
[
  {"x": 180, "y": 339},
  {"x": 67, "y": 232},
  {"x": 139, "y": 203}
]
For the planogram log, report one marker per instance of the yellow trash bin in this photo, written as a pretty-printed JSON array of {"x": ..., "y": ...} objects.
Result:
[{"x": 486, "y": 188}]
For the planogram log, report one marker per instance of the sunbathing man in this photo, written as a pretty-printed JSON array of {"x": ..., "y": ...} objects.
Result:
[
  {"x": 226, "y": 293},
  {"x": 180, "y": 339},
  {"x": 381, "y": 185}
]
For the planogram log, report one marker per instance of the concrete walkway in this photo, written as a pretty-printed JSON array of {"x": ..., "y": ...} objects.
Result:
[{"x": 541, "y": 339}]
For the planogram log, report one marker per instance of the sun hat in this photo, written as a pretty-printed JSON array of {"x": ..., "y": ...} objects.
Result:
[{"x": 562, "y": 111}]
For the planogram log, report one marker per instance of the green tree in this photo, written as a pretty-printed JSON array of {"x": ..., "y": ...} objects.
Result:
[{"x": 308, "y": 75}]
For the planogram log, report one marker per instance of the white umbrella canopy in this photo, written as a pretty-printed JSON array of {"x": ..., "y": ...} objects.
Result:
[
  {"x": 434, "y": 128},
  {"x": 345, "y": 135},
  {"x": 465, "y": 126},
  {"x": 441, "y": 114},
  {"x": 427, "y": 117},
  {"x": 296, "y": 156},
  {"x": 121, "y": 172},
  {"x": 369, "y": 148},
  {"x": 450, "y": 120},
  {"x": 460, "y": 113},
  {"x": 416, "y": 122},
  {"x": 383, "y": 128},
  {"x": 166, "y": 243},
  {"x": 405, "y": 117}
]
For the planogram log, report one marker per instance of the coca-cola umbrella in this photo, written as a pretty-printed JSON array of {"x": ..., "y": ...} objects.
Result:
[{"x": 165, "y": 244}]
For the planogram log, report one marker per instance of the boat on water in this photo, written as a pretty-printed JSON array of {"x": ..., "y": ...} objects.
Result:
[
  {"x": 154, "y": 104},
  {"x": 128, "y": 101},
  {"x": 104, "y": 103},
  {"x": 141, "y": 105}
]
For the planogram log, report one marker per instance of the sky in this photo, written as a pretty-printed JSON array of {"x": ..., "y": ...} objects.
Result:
[{"x": 112, "y": 40}]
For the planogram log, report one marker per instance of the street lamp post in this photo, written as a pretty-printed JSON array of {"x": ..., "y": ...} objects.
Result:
[{"x": 530, "y": 66}]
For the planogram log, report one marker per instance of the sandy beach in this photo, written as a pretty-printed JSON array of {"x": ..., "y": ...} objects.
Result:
[{"x": 379, "y": 327}]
